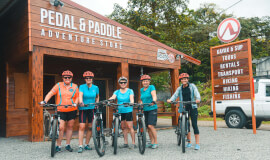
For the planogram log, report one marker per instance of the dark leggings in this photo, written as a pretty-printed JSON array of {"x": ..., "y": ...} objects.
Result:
[{"x": 193, "y": 114}]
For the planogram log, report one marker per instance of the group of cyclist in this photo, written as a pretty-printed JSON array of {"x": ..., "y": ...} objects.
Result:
[{"x": 68, "y": 93}]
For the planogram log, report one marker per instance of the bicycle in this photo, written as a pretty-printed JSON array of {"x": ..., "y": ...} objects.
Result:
[
  {"x": 54, "y": 131},
  {"x": 182, "y": 126},
  {"x": 116, "y": 125},
  {"x": 97, "y": 128},
  {"x": 141, "y": 128}
]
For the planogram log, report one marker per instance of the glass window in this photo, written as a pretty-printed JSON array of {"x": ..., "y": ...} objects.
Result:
[
  {"x": 256, "y": 86},
  {"x": 267, "y": 91}
]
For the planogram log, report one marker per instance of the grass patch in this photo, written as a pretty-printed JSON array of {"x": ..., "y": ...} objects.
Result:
[
  {"x": 265, "y": 122},
  {"x": 200, "y": 118}
]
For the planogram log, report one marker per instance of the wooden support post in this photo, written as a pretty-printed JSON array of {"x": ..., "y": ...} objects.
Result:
[
  {"x": 35, "y": 96},
  {"x": 175, "y": 84},
  {"x": 122, "y": 70}
]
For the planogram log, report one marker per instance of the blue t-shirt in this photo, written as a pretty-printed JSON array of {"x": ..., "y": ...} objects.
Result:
[
  {"x": 146, "y": 97},
  {"x": 89, "y": 95},
  {"x": 124, "y": 98}
]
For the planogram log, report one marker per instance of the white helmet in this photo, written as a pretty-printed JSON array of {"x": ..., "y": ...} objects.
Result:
[{"x": 122, "y": 78}]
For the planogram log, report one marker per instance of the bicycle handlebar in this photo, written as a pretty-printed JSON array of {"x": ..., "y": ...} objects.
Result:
[
  {"x": 55, "y": 105},
  {"x": 183, "y": 102},
  {"x": 104, "y": 102}
]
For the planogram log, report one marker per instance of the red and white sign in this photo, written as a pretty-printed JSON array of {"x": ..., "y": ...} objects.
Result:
[{"x": 228, "y": 30}]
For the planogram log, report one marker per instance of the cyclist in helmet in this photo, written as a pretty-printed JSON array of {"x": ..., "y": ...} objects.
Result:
[
  {"x": 125, "y": 95},
  {"x": 148, "y": 95},
  {"x": 88, "y": 93},
  {"x": 189, "y": 92},
  {"x": 66, "y": 93}
]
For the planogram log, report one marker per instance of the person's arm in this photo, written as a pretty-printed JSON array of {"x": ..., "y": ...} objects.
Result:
[
  {"x": 97, "y": 98},
  {"x": 175, "y": 95},
  {"x": 52, "y": 92},
  {"x": 131, "y": 96},
  {"x": 76, "y": 97},
  {"x": 154, "y": 95},
  {"x": 197, "y": 94},
  {"x": 113, "y": 96},
  {"x": 80, "y": 97}
]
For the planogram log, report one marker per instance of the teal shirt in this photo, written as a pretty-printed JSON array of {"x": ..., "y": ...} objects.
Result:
[
  {"x": 89, "y": 95},
  {"x": 146, "y": 97},
  {"x": 124, "y": 98}
]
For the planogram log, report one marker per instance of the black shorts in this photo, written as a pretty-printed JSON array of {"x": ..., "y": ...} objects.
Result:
[
  {"x": 150, "y": 117},
  {"x": 127, "y": 116},
  {"x": 66, "y": 116},
  {"x": 88, "y": 113}
]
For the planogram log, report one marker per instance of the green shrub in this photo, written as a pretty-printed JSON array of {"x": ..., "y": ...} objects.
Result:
[{"x": 204, "y": 110}]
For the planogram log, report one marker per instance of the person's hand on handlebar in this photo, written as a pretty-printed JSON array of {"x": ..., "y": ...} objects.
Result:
[
  {"x": 153, "y": 103},
  {"x": 198, "y": 101},
  {"x": 169, "y": 101},
  {"x": 42, "y": 102},
  {"x": 74, "y": 105}
]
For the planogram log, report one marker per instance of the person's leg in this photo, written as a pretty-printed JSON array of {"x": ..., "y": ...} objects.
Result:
[
  {"x": 131, "y": 130},
  {"x": 125, "y": 131},
  {"x": 153, "y": 134},
  {"x": 81, "y": 133},
  {"x": 82, "y": 120},
  {"x": 61, "y": 132},
  {"x": 194, "y": 119},
  {"x": 70, "y": 124},
  {"x": 188, "y": 109},
  {"x": 90, "y": 116},
  {"x": 89, "y": 134},
  {"x": 152, "y": 121}
]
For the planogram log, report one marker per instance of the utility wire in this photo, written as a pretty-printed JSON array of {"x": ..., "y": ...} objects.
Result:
[{"x": 230, "y": 7}]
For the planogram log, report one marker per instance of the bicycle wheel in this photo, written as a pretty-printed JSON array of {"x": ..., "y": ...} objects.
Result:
[
  {"x": 54, "y": 134},
  {"x": 141, "y": 135},
  {"x": 183, "y": 132},
  {"x": 98, "y": 137},
  {"x": 116, "y": 131},
  {"x": 178, "y": 132}
]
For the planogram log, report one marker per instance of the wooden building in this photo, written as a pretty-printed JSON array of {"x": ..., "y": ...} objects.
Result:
[{"x": 39, "y": 41}]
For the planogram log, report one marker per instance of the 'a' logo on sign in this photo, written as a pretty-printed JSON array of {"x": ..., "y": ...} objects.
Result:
[{"x": 228, "y": 30}]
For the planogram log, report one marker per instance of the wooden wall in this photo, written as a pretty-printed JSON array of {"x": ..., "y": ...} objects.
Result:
[
  {"x": 136, "y": 50},
  {"x": 14, "y": 44},
  {"x": 3, "y": 96}
]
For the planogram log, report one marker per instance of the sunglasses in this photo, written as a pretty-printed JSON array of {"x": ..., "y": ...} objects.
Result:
[
  {"x": 122, "y": 82},
  {"x": 88, "y": 78},
  {"x": 67, "y": 77}
]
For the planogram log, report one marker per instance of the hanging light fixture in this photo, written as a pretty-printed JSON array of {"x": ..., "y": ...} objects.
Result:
[{"x": 56, "y": 3}]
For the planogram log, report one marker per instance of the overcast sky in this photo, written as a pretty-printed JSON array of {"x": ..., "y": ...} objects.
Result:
[{"x": 245, "y": 8}]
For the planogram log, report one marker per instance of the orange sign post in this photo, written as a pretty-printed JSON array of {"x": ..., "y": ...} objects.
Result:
[{"x": 231, "y": 72}]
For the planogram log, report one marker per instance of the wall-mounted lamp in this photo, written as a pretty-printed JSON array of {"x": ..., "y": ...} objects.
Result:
[
  {"x": 56, "y": 3},
  {"x": 178, "y": 56}
]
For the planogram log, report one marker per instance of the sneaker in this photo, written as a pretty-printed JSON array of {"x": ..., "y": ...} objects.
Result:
[
  {"x": 133, "y": 146},
  {"x": 154, "y": 146},
  {"x": 197, "y": 147},
  {"x": 80, "y": 150},
  {"x": 87, "y": 147},
  {"x": 189, "y": 145},
  {"x": 68, "y": 148},
  {"x": 149, "y": 145},
  {"x": 124, "y": 146},
  {"x": 57, "y": 149}
]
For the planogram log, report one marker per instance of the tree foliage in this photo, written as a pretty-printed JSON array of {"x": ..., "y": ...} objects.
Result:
[{"x": 192, "y": 32}]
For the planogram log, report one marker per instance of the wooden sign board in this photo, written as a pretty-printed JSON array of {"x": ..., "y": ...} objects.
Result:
[{"x": 231, "y": 71}]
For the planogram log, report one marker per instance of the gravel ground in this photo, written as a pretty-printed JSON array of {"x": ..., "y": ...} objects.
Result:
[{"x": 221, "y": 144}]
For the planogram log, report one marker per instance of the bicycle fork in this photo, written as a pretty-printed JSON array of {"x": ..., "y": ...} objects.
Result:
[{"x": 58, "y": 121}]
